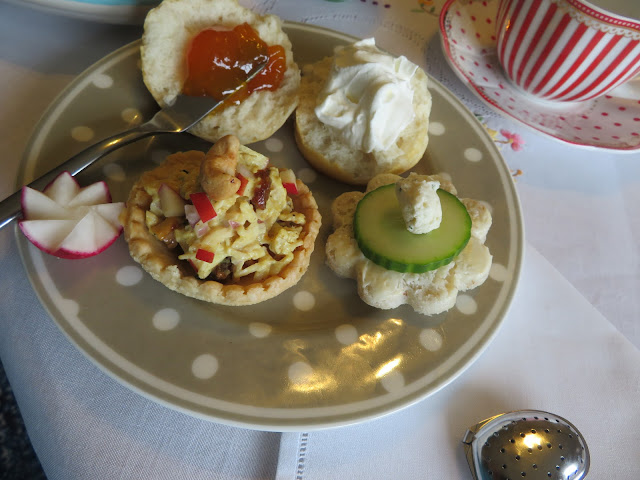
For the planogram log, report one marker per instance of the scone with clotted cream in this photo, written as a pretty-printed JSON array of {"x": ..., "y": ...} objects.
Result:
[{"x": 362, "y": 112}]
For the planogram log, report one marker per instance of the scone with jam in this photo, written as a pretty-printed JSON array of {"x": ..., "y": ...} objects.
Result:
[
  {"x": 222, "y": 226},
  {"x": 410, "y": 241},
  {"x": 208, "y": 47}
]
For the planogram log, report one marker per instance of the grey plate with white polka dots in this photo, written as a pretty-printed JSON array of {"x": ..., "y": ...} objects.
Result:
[{"x": 314, "y": 357}]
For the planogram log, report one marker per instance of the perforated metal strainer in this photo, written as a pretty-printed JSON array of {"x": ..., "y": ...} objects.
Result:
[{"x": 526, "y": 444}]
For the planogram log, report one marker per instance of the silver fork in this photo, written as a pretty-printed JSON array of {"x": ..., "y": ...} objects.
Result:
[{"x": 179, "y": 117}]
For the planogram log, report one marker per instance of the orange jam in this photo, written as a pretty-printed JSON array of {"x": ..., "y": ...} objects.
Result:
[{"x": 219, "y": 60}]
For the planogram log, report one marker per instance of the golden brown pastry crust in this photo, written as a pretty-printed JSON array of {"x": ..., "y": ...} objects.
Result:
[{"x": 164, "y": 266}]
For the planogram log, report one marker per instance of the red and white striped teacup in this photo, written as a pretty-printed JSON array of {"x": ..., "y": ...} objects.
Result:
[{"x": 566, "y": 50}]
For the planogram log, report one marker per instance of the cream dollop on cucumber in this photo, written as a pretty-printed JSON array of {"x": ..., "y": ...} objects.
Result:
[{"x": 383, "y": 237}]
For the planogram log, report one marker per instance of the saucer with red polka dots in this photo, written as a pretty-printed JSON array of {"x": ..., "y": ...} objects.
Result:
[{"x": 468, "y": 38}]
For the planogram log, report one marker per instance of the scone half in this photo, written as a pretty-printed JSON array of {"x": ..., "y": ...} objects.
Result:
[
  {"x": 327, "y": 152},
  {"x": 168, "y": 31}
]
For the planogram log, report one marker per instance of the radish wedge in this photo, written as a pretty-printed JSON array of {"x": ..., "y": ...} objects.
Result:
[
  {"x": 289, "y": 181},
  {"x": 171, "y": 203},
  {"x": 68, "y": 221},
  {"x": 383, "y": 238}
]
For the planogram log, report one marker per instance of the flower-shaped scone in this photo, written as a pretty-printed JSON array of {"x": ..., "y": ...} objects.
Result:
[{"x": 429, "y": 293}]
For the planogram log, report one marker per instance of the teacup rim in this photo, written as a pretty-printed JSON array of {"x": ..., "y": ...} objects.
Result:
[
  {"x": 602, "y": 14},
  {"x": 595, "y": 12}
]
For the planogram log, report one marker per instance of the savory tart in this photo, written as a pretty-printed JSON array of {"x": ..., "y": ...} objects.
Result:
[{"x": 222, "y": 226}]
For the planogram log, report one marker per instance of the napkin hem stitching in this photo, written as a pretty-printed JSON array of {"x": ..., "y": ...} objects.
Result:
[{"x": 302, "y": 452}]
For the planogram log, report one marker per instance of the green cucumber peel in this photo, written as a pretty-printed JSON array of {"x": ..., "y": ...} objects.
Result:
[{"x": 383, "y": 238}]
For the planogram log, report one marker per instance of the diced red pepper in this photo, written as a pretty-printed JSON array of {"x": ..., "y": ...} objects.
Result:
[
  {"x": 203, "y": 206},
  {"x": 204, "y": 255},
  {"x": 243, "y": 183},
  {"x": 291, "y": 188}
]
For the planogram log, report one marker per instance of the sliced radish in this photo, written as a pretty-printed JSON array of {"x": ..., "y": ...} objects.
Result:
[
  {"x": 243, "y": 170},
  {"x": 171, "y": 203},
  {"x": 95, "y": 194},
  {"x": 192, "y": 214},
  {"x": 38, "y": 206},
  {"x": 68, "y": 221},
  {"x": 201, "y": 229},
  {"x": 203, "y": 206},
  {"x": 110, "y": 212},
  {"x": 289, "y": 181},
  {"x": 62, "y": 189},
  {"x": 204, "y": 255}
]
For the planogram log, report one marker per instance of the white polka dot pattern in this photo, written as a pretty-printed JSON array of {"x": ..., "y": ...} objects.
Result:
[
  {"x": 350, "y": 331},
  {"x": 132, "y": 116},
  {"x": 436, "y": 128},
  {"x": 307, "y": 175},
  {"x": 498, "y": 272},
  {"x": 431, "y": 339},
  {"x": 205, "y": 366},
  {"x": 347, "y": 334},
  {"x": 300, "y": 372},
  {"x": 102, "y": 80},
  {"x": 393, "y": 381},
  {"x": 466, "y": 304},
  {"x": 82, "y": 134},
  {"x": 473, "y": 154},
  {"x": 274, "y": 145},
  {"x": 69, "y": 307},
  {"x": 304, "y": 300},
  {"x": 259, "y": 330},
  {"x": 115, "y": 172},
  {"x": 129, "y": 275},
  {"x": 166, "y": 319}
]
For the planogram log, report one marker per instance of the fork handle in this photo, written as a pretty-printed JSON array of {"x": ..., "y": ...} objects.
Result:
[{"x": 11, "y": 207}]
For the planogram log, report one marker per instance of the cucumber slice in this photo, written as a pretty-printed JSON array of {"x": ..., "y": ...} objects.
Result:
[{"x": 384, "y": 239}]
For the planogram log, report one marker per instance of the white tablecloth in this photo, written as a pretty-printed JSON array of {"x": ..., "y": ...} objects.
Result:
[{"x": 569, "y": 344}]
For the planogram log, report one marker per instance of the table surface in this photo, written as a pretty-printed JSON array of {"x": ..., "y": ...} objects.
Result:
[{"x": 581, "y": 207}]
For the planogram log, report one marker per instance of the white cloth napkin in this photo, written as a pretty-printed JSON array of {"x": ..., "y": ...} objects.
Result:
[{"x": 554, "y": 352}]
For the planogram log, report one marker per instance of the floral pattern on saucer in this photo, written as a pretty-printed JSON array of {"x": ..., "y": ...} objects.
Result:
[{"x": 469, "y": 41}]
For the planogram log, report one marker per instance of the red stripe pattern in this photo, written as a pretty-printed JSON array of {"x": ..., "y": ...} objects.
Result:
[{"x": 554, "y": 52}]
